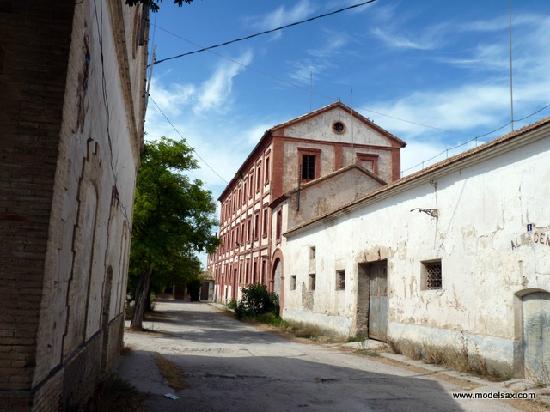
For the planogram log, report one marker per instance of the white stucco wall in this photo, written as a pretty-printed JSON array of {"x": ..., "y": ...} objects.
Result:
[
  {"x": 320, "y": 128},
  {"x": 482, "y": 209}
]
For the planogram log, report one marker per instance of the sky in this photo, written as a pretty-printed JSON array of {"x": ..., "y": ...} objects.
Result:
[{"x": 434, "y": 73}]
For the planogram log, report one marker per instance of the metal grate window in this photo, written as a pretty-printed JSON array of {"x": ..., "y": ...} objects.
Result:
[
  {"x": 433, "y": 275},
  {"x": 340, "y": 279}
]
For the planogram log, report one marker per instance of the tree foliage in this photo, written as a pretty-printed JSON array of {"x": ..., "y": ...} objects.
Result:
[
  {"x": 173, "y": 219},
  {"x": 154, "y": 4},
  {"x": 256, "y": 300}
]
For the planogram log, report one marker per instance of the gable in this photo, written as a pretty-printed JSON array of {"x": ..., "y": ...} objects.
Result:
[{"x": 320, "y": 126}]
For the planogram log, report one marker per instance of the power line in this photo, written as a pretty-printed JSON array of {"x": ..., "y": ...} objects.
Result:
[
  {"x": 183, "y": 137},
  {"x": 475, "y": 138},
  {"x": 307, "y": 89},
  {"x": 251, "y": 36}
]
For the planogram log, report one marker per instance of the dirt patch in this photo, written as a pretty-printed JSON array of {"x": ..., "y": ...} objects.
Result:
[
  {"x": 115, "y": 394},
  {"x": 171, "y": 372},
  {"x": 528, "y": 405},
  {"x": 464, "y": 384}
]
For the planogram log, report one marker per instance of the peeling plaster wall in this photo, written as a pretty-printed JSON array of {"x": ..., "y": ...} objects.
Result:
[
  {"x": 85, "y": 260},
  {"x": 319, "y": 128},
  {"x": 330, "y": 194},
  {"x": 480, "y": 234}
]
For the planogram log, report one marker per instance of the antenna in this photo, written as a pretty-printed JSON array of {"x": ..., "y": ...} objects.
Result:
[
  {"x": 510, "y": 65},
  {"x": 310, "y": 90}
]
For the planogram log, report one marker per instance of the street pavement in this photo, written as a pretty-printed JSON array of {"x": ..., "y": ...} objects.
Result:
[{"x": 232, "y": 366}]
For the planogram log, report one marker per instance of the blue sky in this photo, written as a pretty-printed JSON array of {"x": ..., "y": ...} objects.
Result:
[{"x": 439, "y": 63}]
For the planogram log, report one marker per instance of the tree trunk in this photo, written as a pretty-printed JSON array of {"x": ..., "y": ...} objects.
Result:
[
  {"x": 142, "y": 291},
  {"x": 148, "y": 302}
]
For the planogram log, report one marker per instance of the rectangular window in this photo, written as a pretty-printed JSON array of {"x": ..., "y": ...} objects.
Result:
[
  {"x": 308, "y": 166},
  {"x": 251, "y": 183},
  {"x": 312, "y": 281},
  {"x": 293, "y": 283},
  {"x": 432, "y": 274},
  {"x": 279, "y": 224},
  {"x": 249, "y": 230},
  {"x": 266, "y": 170},
  {"x": 258, "y": 178},
  {"x": 256, "y": 226},
  {"x": 340, "y": 279},
  {"x": 264, "y": 268},
  {"x": 242, "y": 233},
  {"x": 264, "y": 227},
  {"x": 245, "y": 191},
  {"x": 255, "y": 272}
]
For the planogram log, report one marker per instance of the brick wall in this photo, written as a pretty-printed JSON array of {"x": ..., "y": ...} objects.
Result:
[
  {"x": 68, "y": 167},
  {"x": 35, "y": 39}
]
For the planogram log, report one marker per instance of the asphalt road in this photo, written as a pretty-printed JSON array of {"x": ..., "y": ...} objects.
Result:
[{"x": 232, "y": 366}]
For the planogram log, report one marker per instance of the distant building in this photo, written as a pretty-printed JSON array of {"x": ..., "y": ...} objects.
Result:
[
  {"x": 456, "y": 255},
  {"x": 289, "y": 156},
  {"x": 72, "y": 105}
]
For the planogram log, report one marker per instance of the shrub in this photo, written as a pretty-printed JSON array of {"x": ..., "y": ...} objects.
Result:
[
  {"x": 255, "y": 301},
  {"x": 232, "y": 304}
]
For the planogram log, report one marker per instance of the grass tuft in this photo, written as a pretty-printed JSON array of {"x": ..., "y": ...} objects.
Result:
[{"x": 171, "y": 372}]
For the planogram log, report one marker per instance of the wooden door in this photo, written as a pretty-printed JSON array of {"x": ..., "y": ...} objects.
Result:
[{"x": 378, "y": 300}]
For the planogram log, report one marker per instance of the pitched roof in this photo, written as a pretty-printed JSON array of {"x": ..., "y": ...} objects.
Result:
[
  {"x": 326, "y": 177},
  {"x": 461, "y": 158},
  {"x": 268, "y": 133},
  {"x": 348, "y": 109}
]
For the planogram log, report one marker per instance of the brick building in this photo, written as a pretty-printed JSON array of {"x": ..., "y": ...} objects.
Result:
[
  {"x": 71, "y": 123},
  {"x": 289, "y": 155}
]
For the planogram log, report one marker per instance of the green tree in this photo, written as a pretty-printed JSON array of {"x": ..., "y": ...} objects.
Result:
[
  {"x": 173, "y": 219},
  {"x": 154, "y": 4}
]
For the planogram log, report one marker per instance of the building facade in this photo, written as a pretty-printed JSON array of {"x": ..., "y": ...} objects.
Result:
[
  {"x": 288, "y": 156},
  {"x": 456, "y": 255},
  {"x": 72, "y": 107}
]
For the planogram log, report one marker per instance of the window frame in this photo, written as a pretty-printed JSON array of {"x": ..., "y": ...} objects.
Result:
[
  {"x": 424, "y": 274},
  {"x": 308, "y": 152},
  {"x": 340, "y": 283}
]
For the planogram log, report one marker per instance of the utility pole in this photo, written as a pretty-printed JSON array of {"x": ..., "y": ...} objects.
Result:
[{"x": 510, "y": 65}]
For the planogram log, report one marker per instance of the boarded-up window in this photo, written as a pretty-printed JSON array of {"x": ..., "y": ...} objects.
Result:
[{"x": 432, "y": 274}]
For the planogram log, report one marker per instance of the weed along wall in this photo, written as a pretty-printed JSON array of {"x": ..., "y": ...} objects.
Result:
[{"x": 455, "y": 256}]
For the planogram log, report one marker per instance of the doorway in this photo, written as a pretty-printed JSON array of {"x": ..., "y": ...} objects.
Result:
[
  {"x": 536, "y": 336},
  {"x": 372, "y": 302}
]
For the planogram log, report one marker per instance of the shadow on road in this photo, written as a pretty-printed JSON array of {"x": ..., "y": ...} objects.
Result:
[{"x": 230, "y": 366}]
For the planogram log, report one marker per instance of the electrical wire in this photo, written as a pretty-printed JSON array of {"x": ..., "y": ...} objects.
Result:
[
  {"x": 183, "y": 137},
  {"x": 251, "y": 36},
  {"x": 475, "y": 138},
  {"x": 281, "y": 81}
]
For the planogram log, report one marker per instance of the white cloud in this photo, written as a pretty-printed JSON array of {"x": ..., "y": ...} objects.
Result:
[
  {"x": 480, "y": 104},
  {"x": 281, "y": 15},
  {"x": 255, "y": 133},
  {"x": 172, "y": 98},
  {"x": 429, "y": 39},
  {"x": 499, "y": 23},
  {"x": 418, "y": 151},
  {"x": 319, "y": 60},
  {"x": 215, "y": 91}
]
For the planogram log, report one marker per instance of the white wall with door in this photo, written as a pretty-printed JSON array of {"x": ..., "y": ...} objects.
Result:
[{"x": 465, "y": 245}]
